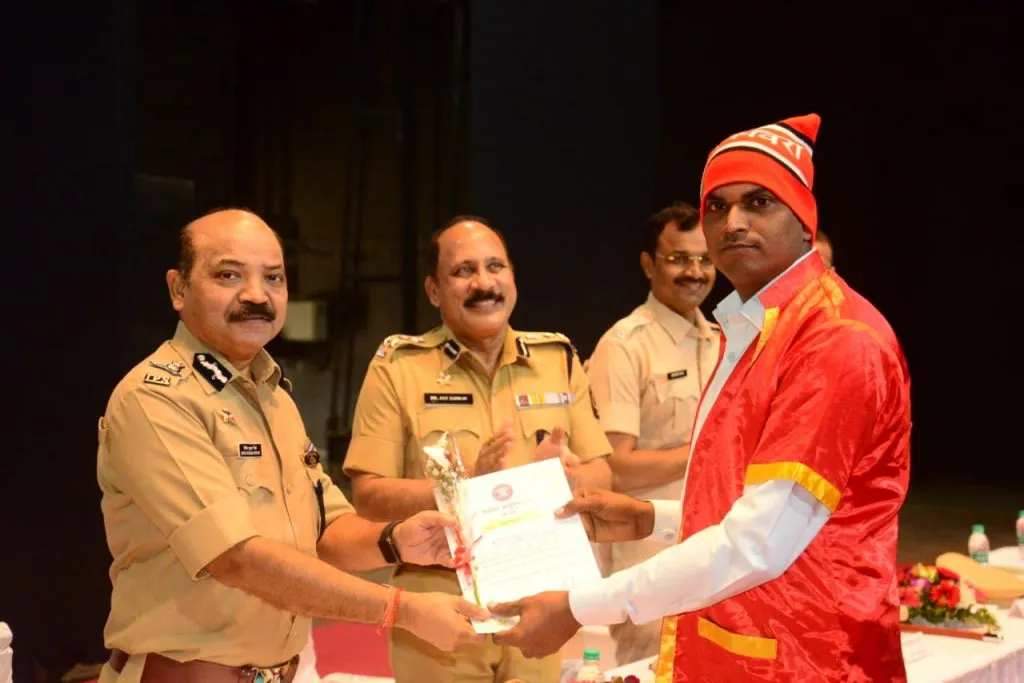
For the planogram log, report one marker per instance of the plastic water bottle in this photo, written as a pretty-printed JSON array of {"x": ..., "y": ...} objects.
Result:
[
  {"x": 977, "y": 544},
  {"x": 1020, "y": 533},
  {"x": 591, "y": 671}
]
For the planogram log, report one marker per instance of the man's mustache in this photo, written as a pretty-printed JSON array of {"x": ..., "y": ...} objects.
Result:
[
  {"x": 733, "y": 237},
  {"x": 690, "y": 281},
  {"x": 481, "y": 296},
  {"x": 251, "y": 311}
]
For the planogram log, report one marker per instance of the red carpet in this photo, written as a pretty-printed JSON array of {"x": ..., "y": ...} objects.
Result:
[{"x": 352, "y": 649}]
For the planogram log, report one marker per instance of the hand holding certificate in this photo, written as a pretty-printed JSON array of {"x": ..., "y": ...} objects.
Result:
[{"x": 508, "y": 543}]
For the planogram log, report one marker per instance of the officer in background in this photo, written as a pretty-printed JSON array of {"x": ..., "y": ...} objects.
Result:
[
  {"x": 508, "y": 397},
  {"x": 647, "y": 374},
  {"x": 215, "y": 505},
  {"x": 824, "y": 246}
]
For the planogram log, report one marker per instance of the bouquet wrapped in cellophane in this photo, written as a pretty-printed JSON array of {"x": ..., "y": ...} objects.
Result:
[{"x": 445, "y": 469}]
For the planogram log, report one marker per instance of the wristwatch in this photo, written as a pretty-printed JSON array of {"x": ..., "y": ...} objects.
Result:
[{"x": 386, "y": 543}]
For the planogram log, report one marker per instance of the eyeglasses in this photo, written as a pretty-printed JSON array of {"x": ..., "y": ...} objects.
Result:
[{"x": 681, "y": 258}]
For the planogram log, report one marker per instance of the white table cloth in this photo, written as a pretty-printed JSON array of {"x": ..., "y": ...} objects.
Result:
[{"x": 1007, "y": 557}]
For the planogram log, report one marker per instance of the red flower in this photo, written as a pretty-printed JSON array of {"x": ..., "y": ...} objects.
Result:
[{"x": 911, "y": 599}]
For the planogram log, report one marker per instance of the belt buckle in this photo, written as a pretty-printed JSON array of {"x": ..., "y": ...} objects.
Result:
[{"x": 253, "y": 674}]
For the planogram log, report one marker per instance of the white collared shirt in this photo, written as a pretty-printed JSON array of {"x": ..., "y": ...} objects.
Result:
[{"x": 760, "y": 537}]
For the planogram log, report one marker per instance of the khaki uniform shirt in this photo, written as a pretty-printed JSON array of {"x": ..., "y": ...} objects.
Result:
[
  {"x": 647, "y": 374},
  {"x": 418, "y": 387},
  {"x": 193, "y": 459}
]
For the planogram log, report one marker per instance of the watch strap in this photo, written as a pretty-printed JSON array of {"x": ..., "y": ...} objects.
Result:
[{"x": 386, "y": 543}]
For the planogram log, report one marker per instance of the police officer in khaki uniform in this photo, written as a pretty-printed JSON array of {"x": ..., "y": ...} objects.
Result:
[
  {"x": 215, "y": 504},
  {"x": 647, "y": 374},
  {"x": 508, "y": 397}
]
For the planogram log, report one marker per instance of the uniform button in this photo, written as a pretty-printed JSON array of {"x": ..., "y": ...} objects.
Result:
[
  {"x": 731, "y": 357},
  {"x": 288, "y": 489},
  {"x": 248, "y": 479}
]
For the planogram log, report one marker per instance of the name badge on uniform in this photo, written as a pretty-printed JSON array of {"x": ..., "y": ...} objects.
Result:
[
  {"x": 551, "y": 398},
  {"x": 678, "y": 374},
  {"x": 250, "y": 450},
  {"x": 448, "y": 399}
]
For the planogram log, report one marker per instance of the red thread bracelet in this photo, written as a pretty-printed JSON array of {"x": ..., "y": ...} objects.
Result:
[{"x": 391, "y": 611}]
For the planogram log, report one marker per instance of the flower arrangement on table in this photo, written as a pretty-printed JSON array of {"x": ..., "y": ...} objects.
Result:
[{"x": 930, "y": 595}]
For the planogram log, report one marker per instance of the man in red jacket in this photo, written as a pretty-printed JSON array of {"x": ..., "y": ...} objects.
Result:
[{"x": 785, "y": 563}]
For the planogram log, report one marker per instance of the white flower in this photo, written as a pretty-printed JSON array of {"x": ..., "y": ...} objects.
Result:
[
  {"x": 436, "y": 457},
  {"x": 968, "y": 597}
]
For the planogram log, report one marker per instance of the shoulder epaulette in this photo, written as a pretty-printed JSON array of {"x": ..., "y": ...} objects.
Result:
[
  {"x": 164, "y": 373},
  {"x": 537, "y": 338},
  {"x": 387, "y": 348},
  {"x": 532, "y": 338},
  {"x": 627, "y": 326}
]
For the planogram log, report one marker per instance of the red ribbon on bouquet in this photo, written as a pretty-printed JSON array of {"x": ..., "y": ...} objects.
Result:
[
  {"x": 463, "y": 555},
  {"x": 464, "y": 562}
]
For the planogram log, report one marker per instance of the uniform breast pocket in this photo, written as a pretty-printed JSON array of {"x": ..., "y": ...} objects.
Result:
[
  {"x": 252, "y": 479},
  {"x": 538, "y": 422},
  {"x": 462, "y": 425},
  {"x": 676, "y": 409}
]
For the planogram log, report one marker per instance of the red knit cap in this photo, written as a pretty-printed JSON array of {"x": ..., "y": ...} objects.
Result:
[{"x": 777, "y": 157}]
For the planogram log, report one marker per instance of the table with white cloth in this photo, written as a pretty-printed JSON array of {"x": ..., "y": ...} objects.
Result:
[
  {"x": 1010, "y": 558},
  {"x": 934, "y": 659}
]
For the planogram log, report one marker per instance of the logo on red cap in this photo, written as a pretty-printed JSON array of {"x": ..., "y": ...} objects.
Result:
[{"x": 756, "y": 155}]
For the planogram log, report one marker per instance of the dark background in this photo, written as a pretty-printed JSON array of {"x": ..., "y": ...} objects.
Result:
[{"x": 567, "y": 123}]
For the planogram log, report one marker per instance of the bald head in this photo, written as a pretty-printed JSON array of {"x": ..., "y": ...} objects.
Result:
[
  {"x": 476, "y": 223},
  {"x": 215, "y": 225},
  {"x": 230, "y": 288}
]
